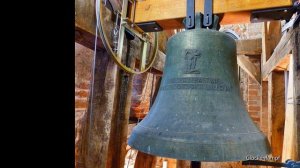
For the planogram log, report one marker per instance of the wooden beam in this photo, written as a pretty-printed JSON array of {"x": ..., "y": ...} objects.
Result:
[
  {"x": 282, "y": 50},
  {"x": 264, "y": 122},
  {"x": 236, "y": 18},
  {"x": 283, "y": 64},
  {"x": 290, "y": 127},
  {"x": 183, "y": 164},
  {"x": 276, "y": 112},
  {"x": 271, "y": 35},
  {"x": 296, "y": 89},
  {"x": 120, "y": 118},
  {"x": 99, "y": 115},
  {"x": 249, "y": 47},
  {"x": 145, "y": 160},
  {"x": 172, "y": 163},
  {"x": 248, "y": 67},
  {"x": 161, "y": 10}
]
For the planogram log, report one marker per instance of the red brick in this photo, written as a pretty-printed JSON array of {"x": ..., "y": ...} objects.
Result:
[
  {"x": 81, "y": 93},
  {"x": 255, "y": 108},
  {"x": 253, "y": 102},
  {"x": 84, "y": 85},
  {"x": 254, "y": 87},
  {"x": 253, "y": 98},
  {"x": 253, "y": 113},
  {"x": 80, "y": 103},
  {"x": 255, "y": 119},
  {"x": 253, "y": 92}
]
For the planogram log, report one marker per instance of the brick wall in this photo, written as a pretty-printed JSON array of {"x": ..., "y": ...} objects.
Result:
[
  {"x": 83, "y": 61},
  {"x": 254, "y": 96},
  {"x": 250, "y": 89}
]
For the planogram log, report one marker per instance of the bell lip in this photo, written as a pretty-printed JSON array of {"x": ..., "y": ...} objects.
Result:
[{"x": 165, "y": 147}]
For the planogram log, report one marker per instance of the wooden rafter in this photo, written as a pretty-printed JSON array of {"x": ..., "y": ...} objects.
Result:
[
  {"x": 280, "y": 53},
  {"x": 169, "y": 12}
]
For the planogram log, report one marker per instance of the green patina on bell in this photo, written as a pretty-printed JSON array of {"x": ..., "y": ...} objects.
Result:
[{"x": 199, "y": 114}]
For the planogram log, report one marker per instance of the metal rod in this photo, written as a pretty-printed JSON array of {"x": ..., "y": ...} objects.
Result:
[
  {"x": 207, "y": 20},
  {"x": 190, "y": 14}
]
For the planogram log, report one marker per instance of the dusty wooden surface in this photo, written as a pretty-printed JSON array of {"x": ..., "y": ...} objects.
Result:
[
  {"x": 249, "y": 47},
  {"x": 120, "y": 119},
  {"x": 155, "y": 10},
  {"x": 144, "y": 160},
  {"x": 276, "y": 96},
  {"x": 245, "y": 63},
  {"x": 183, "y": 164},
  {"x": 296, "y": 81},
  {"x": 99, "y": 116},
  {"x": 283, "y": 48},
  {"x": 271, "y": 35},
  {"x": 289, "y": 139}
]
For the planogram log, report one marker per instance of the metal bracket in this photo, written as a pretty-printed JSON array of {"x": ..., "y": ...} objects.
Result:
[
  {"x": 190, "y": 14},
  {"x": 199, "y": 17},
  {"x": 149, "y": 26},
  {"x": 284, "y": 13},
  {"x": 207, "y": 20}
]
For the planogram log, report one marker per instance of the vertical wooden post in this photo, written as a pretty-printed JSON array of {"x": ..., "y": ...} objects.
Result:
[
  {"x": 100, "y": 110},
  {"x": 276, "y": 111},
  {"x": 264, "y": 107},
  {"x": 289, "y": 139},
  {"x": 144, "y": 160},
  {"x": 172, "y": 163},
  {"x": 296, "y": 82},
  {"x": 271, "y": 34},
  {"x": 118, "y": 138},
  {"x": 120, "y": 119},
  {"x": 183, "y": 164}
]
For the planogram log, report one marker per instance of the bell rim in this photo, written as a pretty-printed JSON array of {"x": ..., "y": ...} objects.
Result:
[{"x": 171, "y": 148}]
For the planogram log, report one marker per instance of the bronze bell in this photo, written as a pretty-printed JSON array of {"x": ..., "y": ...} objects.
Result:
[{"x": 199, "y": 114}]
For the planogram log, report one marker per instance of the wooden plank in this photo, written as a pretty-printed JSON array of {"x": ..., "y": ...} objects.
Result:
[
  {"x": 290, "y": 139},
  {"x": 249, "y": 67},
  {"x": 296, "y": 89},
  {"x": 249, "y": 47},
  {"x": 120, "y": 119},
  {"x": 183, "y": 164},
  {"x": 236, "y": 17},
  {"x": 276, "y": 112},
  {"x": 172, "y": 163},
  {"x": 271, "y": 35},
  {"x": 100, "y": 110},
  {"x": 158, "y": 10},
  {"x": 144, "y": 160},
  {"x": 226, "y": 18},
  {"x": 264, "y": 122},
  {"x": 282, "y": 50},
  {"x": 283, "y": 64}
]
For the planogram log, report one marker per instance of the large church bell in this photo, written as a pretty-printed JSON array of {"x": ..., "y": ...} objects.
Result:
[{"x": 199, "y": 114}]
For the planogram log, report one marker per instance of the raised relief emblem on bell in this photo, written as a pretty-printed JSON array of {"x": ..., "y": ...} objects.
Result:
[{"x": 191, "y": 57}]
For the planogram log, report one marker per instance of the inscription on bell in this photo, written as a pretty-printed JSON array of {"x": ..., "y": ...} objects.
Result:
[
  {"x": 191, "y": 58},
  {"x": 201, "y": 83}
]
